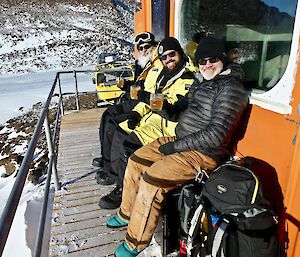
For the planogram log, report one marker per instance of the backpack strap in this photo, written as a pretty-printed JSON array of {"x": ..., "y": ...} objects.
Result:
[
  {"x": 195, "y": 226},
  {"x": 218, "y": 237}
]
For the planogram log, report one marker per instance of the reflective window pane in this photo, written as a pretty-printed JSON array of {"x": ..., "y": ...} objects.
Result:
[{"x": 258, "y": 34}]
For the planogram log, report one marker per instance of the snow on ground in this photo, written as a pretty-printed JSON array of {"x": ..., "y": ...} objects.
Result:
[
  {"x": 19, "y": 92},
  {"x": 38, "y": 35},
  {"x": 23, "y": 232}
]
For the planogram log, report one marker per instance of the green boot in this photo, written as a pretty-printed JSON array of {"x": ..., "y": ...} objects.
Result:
[
  {"x": 124, "y": 251},
  {"x": 116, "y": 222}
]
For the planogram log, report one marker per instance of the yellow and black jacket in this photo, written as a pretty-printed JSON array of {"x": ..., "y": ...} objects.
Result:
[{"x": 152, "y": 125}]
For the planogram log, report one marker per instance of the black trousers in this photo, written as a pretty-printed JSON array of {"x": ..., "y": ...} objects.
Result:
[
  {"x": 110, "y": 119},
  {"x": 123, "y": 145}
]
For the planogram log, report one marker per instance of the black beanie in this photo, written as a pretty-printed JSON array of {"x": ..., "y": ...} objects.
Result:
[
  {"x": 170, "y": 43},
  {"x": 210, "y": 47}
]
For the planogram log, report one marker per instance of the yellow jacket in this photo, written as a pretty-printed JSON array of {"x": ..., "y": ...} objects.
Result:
[
  {"x": 153, "y": 126},
  {"x": 153, "y": 67},
  {"x": 190, "y": 49}
]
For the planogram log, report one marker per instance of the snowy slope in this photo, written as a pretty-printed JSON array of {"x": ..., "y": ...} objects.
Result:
[{"x": 38, "y": 35}]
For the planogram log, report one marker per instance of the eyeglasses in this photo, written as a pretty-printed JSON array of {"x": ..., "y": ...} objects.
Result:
[
  {"x": 165, "y": 56},
  {"x": 141, "y": 48},
  {"x": 142, "y": 37},
  {"x": 203, "y": 61}
]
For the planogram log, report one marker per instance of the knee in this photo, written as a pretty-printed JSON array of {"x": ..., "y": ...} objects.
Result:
[
  {"x": 131, "y": 176},
  {"x": 130, "y": 166}
]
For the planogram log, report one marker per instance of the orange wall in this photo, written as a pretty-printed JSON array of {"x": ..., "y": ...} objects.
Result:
[
  {"x": 172, "y": 18},
  {"x": 293, "y": 187},
  {"x": 142, "y": 19},
  {"x": 269, "y": 137}
]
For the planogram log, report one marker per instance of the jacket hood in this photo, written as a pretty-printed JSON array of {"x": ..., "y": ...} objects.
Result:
[
  {"x": 231, "y": 69},
  {"x": 234, "y": 70}
]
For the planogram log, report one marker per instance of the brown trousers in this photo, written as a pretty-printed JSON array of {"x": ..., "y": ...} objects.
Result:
[{"x": 149, "y": 175}]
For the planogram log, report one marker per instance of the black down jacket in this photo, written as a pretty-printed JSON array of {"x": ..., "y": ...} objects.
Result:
[{"x": 210, "y": 113}]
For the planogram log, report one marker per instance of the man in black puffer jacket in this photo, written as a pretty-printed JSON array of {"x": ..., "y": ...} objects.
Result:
[{"x": 208, "y": 117}]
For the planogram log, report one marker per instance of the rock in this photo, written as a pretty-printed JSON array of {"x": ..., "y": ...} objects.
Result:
[
  {"x": 10, "y": 168},
  {"x": 35, "y": 175}
]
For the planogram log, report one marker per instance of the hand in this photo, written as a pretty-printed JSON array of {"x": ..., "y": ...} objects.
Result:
[
  {"x": 167, "y": 148},
  {"x": 133, "y": 119},
  {"x": 144, "y": 96}
]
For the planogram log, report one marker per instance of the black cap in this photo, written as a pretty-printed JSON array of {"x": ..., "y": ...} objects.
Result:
[
  {"x": 170, "y": 43},
  {"x": 198, "y": 36},
  {"x": 210, "y": 47}
]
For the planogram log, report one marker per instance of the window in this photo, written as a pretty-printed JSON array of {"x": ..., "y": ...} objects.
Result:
[{"x": 257, "y": 34}]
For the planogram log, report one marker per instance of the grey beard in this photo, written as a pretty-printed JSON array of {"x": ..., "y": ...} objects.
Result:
[{"x": 143, "y": 60}]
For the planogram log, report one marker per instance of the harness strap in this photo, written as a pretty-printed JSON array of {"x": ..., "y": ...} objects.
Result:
[{"x": 218, "y": 237}]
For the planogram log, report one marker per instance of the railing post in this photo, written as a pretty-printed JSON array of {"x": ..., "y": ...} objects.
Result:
[
  {"x": 60, "y": 97},
  {"x": 76, "y": 88},
  {"x": 51, "y": 153}
]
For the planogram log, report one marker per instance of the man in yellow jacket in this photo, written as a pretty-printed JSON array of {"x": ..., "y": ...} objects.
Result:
[
  {"x": 144, "y": 126},
  {"x": 147, "y": 59}
]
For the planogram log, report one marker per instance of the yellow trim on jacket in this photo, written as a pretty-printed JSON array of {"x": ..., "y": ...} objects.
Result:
[{"x": 152, "y": 125}]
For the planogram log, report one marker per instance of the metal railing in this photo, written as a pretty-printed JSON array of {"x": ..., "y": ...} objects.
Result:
[{"x": 9, "y": 211}]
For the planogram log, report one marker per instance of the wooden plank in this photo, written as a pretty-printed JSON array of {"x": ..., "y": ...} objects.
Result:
[{"x": 78, "y": 224}]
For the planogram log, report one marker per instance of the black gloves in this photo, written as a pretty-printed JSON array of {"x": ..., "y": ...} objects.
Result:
[
  {"x": 134, "y": 119},
  {"x": 144, "y": 96},
  {"x": 167, "y": 148}
]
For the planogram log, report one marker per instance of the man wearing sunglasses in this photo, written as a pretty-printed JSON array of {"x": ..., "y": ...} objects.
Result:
[
  {"x": 145, "y": 62},
  {"x": 146, "y": 46},
  {"x": 173, "y": 82},
  {"x": 208, "y": 117}
]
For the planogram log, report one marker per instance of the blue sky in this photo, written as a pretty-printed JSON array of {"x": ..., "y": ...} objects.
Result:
[{"x": 288, "y": 6}]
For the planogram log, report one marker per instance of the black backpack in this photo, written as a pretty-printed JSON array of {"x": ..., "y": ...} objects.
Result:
[{"x": 233, "y": 218}]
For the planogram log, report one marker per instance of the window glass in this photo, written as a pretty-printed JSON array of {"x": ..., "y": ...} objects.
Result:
[
  {"x": 100, "y": 78},
  {"x": 257, "y": 34}
]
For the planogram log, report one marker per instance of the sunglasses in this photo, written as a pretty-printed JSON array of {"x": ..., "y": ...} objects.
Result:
[
  {"x": 142, "y": 37},
  {"x": 141, "y": 48},
  {"x": 203, "y": 61},
  {"x": 165, "y": 56}
]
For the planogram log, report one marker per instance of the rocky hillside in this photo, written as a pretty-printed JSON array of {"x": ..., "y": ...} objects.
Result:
[
  {"x": 17, "y": 132},
  {"x": 38, "y": 34}
]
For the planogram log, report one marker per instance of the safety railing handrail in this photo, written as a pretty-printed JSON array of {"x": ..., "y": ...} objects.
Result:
[{"x": 9, "y": 211}]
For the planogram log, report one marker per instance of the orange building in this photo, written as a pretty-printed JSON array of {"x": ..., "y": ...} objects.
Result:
[{"x": 264, "y": 37}]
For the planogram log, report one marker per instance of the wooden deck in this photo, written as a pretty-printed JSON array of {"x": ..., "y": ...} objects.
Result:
[{"x": 78, "y": 224}]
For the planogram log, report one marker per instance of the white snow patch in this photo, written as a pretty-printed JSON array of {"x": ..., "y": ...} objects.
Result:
[
  {"x": 15, "y": 134},
  {"x": 2, "y": 171},
  {"x": 20, "y": 242},
  {"x": 3, "y": 156},
  {"x": 6, "y": 130},
  {"x": 21, "y": 148}
]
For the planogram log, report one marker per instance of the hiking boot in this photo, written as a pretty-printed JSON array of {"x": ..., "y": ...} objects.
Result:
[
  {"x": 99, "y": 172},
  {"x": 116, "y": 222},
  {"x": 97, "y": 162},
  {"x": 104, "y": 178},
  {"x": 112, "y": 200},
  {"x": 123, "y": 250}
]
